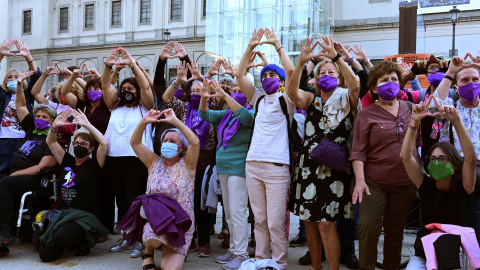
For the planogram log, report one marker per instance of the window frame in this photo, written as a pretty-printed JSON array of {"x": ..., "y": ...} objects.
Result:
[
  {"x": 85, "y": 16},
  {"x": 23, "y": 21},
  {"x": 111, "y": 21},
  {"x": 204, "y": 9},
  {"x": 170, "y": 19},
  {"x": 60, "y": 30},
  {"x": 149, "y": 22}
]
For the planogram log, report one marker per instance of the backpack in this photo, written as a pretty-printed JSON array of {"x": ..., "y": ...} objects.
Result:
[{"x": 294, "y": 139}]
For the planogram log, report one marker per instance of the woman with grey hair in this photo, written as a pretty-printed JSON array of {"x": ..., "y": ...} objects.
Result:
[
  {"x": 11, "y": 132},
  {"x": 172, "y": 174},
  {"x": 30, "y": 157}
]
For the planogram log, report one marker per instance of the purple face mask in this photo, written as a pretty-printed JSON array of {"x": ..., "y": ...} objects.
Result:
[
  {"x": 195, "y": 100},
  {"x": 240, "y": 98},
  {"x": 469, "y": 91},
  {"x": 327, "y": 83},
  {"x": 94, "y": 96},
  {"x": 41, "y": 124},
  {"x": 388, "y": 91},
  {"x": 179, "y": 93},
  {"x": 435, "y": 78},
  {"x": 270, "y": 85}
]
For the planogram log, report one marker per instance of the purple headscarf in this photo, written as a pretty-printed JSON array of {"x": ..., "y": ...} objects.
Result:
[
  {"x": 199, "y": 126},
  {"x": 226, "y": 133}
]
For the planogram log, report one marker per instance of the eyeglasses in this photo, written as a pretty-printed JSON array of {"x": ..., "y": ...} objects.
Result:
[
  {"x": 432, "y": 159},
  {"x": 400, "y": 124},
  {"x": 82, "y": 144}
]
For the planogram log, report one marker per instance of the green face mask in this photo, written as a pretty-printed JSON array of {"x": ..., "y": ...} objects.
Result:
[{"x": 440, "y": 170}]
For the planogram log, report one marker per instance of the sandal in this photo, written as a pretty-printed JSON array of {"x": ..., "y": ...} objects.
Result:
[{"x": 150, "y": 265}]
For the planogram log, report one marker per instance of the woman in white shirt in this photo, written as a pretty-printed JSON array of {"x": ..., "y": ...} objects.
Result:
[{"x": 127, "y": 174}]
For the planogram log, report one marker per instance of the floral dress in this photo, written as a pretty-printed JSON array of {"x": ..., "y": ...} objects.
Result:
[
  {"x": 174, "y": 182},
  {"x": 319, "y": 193}
]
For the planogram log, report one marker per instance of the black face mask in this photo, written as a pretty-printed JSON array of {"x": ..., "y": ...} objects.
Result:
[
  {"x": 127, "y": 97},
  {"x": 80, "y": 151}
]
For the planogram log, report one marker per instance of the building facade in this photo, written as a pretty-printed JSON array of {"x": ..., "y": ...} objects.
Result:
[{"x": 74, "y": 32}]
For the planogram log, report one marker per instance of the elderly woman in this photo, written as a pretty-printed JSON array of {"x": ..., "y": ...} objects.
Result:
[
  {"x": 378, "y": 136},
  {"x": 11, "y": 132},
  {"x": 446, "y": 192},
  {"x": 172, "y": 175},
  {"x": 329, "y": 116},
  {"x": 78, "y": 183},
  {"x": 127, "y": 173},
  {"x": 187, "y": 112},
  {"x": 30, "y": 157},
  {"x": 234, "y": 129}
]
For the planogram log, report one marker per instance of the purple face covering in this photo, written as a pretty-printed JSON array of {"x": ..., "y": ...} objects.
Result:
[
  {"x": 94, "y": 96},
  {"x": 240, "y": 98},
  {"x": 195, "y": 100},
  {"x": 41, "y": 124},
  {"x": 435, "y": 78},
  {"x": 469, "y": 91},
  {"x": 270, "y": 85},
  {"x": 179, "y": 93},
  {"x": 388, "y": 91},
  {"x": 327, "y": 83}
]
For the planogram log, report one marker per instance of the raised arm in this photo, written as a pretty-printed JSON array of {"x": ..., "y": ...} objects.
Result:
[
  {"x": 352, "y": 61},
  {"x": 23, "y": 51},
  {"x": 181, "y": 77},
  {"x": 147, "y": 93},
  {"x": 66, "y": 91},
  {"x": 419, "y": 111},
  {"x": 57, "y": 150},
  {"x": 470, "y": 157},
  {"x": 214, "y": 68},
  {"x": 193, "y": 149},
  {"x": 352, "y": 81},
  {"x": 228, "y": 68},
  {"x": 248, "y": 89},
  {"x": 110, "y": 95},
  {"x": 149, "y": 78},
  {"x": 37, "y": 87},
  {"x": 444, "y": 87},
  {"x": 5, "y": 48},
  {"x": 20, "y": 102},
  {"x": 220, "y": 93},
  {"x": 302, "y": 99},
  {"x": 284, "y": 58},
  {"x": 82, "y": 120}
]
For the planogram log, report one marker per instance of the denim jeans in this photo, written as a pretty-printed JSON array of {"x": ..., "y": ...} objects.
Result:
[{"x": 7, "y": 147}]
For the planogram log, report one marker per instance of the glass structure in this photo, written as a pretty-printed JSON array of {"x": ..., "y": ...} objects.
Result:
[{"x": 230, "y": 24}]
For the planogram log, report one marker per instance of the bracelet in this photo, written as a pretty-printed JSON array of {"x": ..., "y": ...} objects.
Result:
[
  {"x": 30, "y": 61},
  {"x": 281, "y": 47},
  {"x": 314, "y": 61},
  {"x": 19, "y": 91},
  {"x": 412, "y": 127},
  {"x": 131, "y": 65},
  {"x": 448, "y": 77},
  {"x": 105, "y": 63},
  {"x": 54, "y": 130},
  {"x": 174, "y": 85},
  {"x": 336, "y": 58},
  {"x": 350, "y": 61}
]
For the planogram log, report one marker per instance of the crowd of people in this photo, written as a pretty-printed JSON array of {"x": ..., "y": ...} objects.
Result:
[{"x": 333, "y": 139}]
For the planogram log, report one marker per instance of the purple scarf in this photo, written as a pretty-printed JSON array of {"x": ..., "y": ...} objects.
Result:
[
  {"x": 226, "y": 133},
  {"x": 197, "y": 125}
]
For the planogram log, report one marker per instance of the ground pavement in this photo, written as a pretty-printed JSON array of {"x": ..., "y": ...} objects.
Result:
[{"x": 24, "y": 256}]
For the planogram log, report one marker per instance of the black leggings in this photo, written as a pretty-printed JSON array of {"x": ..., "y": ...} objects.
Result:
[
  {"x": 70, "y": 235},
  {"x": 128, "y": 176},
  {"x": 202, "y": 217}
]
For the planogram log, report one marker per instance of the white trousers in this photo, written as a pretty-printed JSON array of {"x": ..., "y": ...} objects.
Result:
[{"x": 235, "y": 200}]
